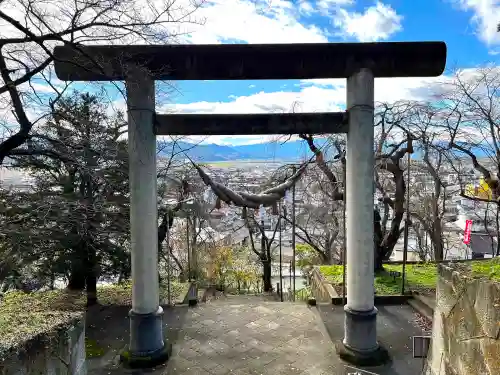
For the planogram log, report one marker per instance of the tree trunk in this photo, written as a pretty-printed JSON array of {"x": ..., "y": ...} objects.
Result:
[
  {"x": 77, "y": 274},
  {"x": 182, "y": 276},
  {"x": 91, "y": 290},
  {"x": 266, "y": 275},
  {"x": 91, "y": 279},
  {"x": 496, "y": 252},
  {"x": 327, "y": 256},
  {"x": 378, "y": 250},
  {"x": 437, "y": 240}
]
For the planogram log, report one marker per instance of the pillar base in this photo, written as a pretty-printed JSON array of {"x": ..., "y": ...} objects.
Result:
[
  {"x": 147, "y": 348},
  {"x": 378, "y": 357},
  {"x": 193, "y": 294},
  {"x": 360, "y": 346}
]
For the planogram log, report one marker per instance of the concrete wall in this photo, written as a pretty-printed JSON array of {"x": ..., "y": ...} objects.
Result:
[
  {"x": 466, "y": 325},
  {"x": 57, "y": 353}
]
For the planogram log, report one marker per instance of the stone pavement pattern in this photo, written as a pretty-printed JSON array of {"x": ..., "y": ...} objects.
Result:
[
  {"x": 246, "y": 336},
  {"x": 254, "y": 335}
]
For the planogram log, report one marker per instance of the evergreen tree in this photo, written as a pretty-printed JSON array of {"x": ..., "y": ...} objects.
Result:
[{"x": 73, "y": 222}]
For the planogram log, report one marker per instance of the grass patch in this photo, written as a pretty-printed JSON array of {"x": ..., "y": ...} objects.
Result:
[
  {"x": 303, "y": 294},
  {"x": 24, "y": 316},
  {"x": 489, "y": 269},
  {"x": 121, "y": 294},
  {"x": 419, "y": 277},
  {"x": 220, "y": 164}
]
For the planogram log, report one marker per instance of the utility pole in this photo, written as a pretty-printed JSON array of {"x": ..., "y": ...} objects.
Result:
[
  {"x": 187, "y": 246},
  {"x": 344, "y": 250},
  {"x": 293, "y": 234},
  {"x": 169, "y": 296},
  {"x": 407, "y": 224},
  {"x": 90, "y": 258},
  {"x": 281, "y": 256}
]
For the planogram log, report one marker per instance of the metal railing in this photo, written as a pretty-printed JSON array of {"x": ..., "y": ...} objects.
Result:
[{"x": 300, "y": 295}]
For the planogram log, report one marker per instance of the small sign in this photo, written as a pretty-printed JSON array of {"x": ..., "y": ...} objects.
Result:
[
  {"x": 394, "y": 274},
  {"x": 421, "y": 346},
  {"x": 467, "y": 231}
]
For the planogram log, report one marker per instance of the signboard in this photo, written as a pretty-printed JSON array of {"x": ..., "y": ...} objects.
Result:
[
  {"x": 421, "y": 345},
  {"x": 467, "y": 231}
]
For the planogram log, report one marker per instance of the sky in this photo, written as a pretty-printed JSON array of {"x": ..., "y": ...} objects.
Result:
[{"x": 469, "y": 28}]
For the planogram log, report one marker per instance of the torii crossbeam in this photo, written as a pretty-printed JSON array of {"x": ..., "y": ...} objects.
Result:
[{"x": 360, "y": 63}]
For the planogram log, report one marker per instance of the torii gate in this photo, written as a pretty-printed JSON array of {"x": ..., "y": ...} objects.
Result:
[{"x": 360, "y": 63}]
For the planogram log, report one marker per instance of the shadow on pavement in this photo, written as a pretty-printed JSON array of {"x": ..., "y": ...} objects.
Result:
[
  {"x": 107, "y": 334},
  {"x": 396, "y": 328}
]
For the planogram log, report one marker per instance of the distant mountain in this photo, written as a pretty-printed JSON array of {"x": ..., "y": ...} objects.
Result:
[{"x": 289, "y": 151}]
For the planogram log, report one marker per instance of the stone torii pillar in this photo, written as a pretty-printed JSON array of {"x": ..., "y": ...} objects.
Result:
[
  {"x": 147, "y": 346},
  {"x": 359, "y": 63},
  {"x": 360, "y": 332}
]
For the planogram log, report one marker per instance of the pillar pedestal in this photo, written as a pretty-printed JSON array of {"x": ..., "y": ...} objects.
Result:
[
  {"x": 147, "y": 347},
  {"x": 360, "y": 346},
  {"x": 193, "y": 294}
]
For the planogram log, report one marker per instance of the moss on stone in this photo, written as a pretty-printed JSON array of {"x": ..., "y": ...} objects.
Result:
[
  {"x": 92, "y": 349},
  {"x": 26, "y": 316}
]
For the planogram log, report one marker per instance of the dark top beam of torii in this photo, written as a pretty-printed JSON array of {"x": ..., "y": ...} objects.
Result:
[{"x": 251, "y": 61}]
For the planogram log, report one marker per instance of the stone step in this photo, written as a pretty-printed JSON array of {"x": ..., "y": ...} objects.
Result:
[
  {"x": 423, "y": 306},
  {"x": 246, "y": 298}
]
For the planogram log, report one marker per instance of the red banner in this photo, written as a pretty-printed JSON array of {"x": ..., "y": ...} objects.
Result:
[{"x": 467, "y": 231}]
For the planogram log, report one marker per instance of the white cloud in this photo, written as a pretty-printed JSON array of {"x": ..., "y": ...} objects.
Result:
[
  {"x": 306, "y": 7},
  {"x": 309, "y": 99},
  {"x": 378, "y": 22},
  {"x": 327, "y": 95},
  {"x": 486, "y": 18},
  {"x": 329, "y": 7},
  {"x": 314, "y": 96},
  {"x": 252, "y": 21}
]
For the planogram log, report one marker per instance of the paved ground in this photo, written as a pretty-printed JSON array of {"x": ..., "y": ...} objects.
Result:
[
  {"x": 396, "y": 326},
  {"x": 248, "y": 335}
]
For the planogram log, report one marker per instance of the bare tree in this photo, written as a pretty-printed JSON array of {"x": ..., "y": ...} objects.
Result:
[
  {"x": 390, "y": 148},
  {"x": 264, "y": 251},
  {"x": 30, "y": 30},
  {"x": 319, "y": 222},
  {"x": 428, "y": 203},
  {"x": 471, "y": 107},
  {"x": 267, "y": 198}
]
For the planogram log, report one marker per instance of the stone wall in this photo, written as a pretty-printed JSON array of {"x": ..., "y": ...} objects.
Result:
[
  {"x": 321, "y": 289},
  {"x": 466, "y": 325},
  {"x": 60, "y": 352}
]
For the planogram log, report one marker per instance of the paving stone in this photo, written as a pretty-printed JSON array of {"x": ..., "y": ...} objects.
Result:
[{"x": 253, "y": 336}]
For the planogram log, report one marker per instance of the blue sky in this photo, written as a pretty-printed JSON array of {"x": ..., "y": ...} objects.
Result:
[
  {"x": 420, "y": 20},
  {"x": 467, "y": 26}
]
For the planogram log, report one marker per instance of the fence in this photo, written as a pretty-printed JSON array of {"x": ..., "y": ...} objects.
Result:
[{"x": 302, "y": 294}]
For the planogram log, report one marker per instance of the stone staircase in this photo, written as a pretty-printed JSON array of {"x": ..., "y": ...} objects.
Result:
[
  {"x": 424, "y": 305},
  {"x": 211, "y": 295}
]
